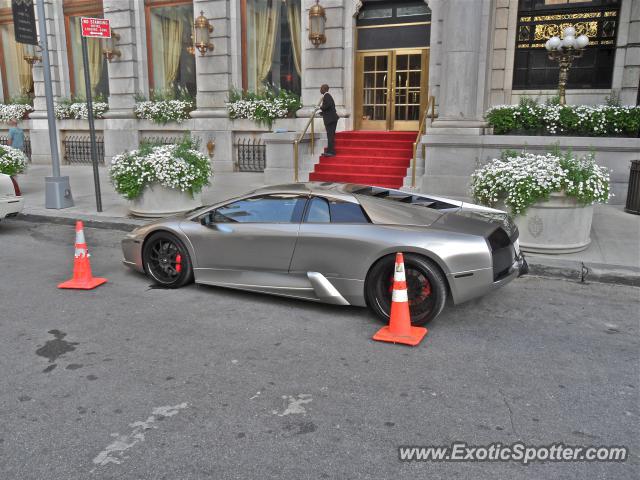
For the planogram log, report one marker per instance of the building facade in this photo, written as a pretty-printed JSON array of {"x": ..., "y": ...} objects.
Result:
[{"x": 383, "y": 59}]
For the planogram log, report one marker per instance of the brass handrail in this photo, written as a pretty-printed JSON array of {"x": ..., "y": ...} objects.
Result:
[
  {"x": 296, "y": 143},
  {"x": 431, "y": 103}
]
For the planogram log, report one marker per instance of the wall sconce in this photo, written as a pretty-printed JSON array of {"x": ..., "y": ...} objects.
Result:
[
  {"x": 211, "y": 146},
  {"x": 317, "y": 20},
  {"x": 202, "y": 31},
  {"x": 191, "y": 50},
  {"x": 31, "y": 55},
  {"x": 109, "y": 49}
]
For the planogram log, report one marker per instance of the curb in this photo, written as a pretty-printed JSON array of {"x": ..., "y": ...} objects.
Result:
[
  {"x": 108, "y": 223},
  {"x": 582, "y": 272}
]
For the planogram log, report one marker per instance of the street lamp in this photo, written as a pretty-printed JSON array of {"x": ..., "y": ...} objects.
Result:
[{"x": 564, "y": 51}]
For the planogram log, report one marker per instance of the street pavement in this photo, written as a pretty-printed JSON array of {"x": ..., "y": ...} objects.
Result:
[{"x": 133, "y": 382}]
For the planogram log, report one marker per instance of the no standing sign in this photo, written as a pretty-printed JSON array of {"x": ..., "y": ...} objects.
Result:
[{"x": 95, "y": 27}]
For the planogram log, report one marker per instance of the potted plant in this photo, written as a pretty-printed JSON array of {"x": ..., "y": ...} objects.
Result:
[
  {"x": 164, "y": 106},
  {"x": 551, "y": 196},
  {"x": 264, "y": 106},
  {"x": 12, "y": 161},
  {"x": 161, "y": 180}
]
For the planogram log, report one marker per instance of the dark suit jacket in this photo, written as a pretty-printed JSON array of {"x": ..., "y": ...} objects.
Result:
[{"x": 328, "y": 110}]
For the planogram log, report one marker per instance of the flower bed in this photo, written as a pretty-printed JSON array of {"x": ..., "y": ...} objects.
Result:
[
  {"x": 71, "y": 110},
  {"x": 12, "y": 160},
  {"x": 262, "y": 107},
  {"x": 180, "y": 167},
  {"x": 532, "y": 118},
  {"x": 520, "y": 180},
  {"x": 164, "y": 111},
  {"x": 14, "y": 111}
]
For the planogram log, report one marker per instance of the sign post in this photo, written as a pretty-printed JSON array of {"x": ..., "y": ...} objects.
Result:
[
  {"x": 93, "y": 28},
  {"x": 57, "y": 188}
]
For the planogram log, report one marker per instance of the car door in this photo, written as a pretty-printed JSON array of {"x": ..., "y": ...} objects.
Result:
[
  {"x": 247, "y": 242},
  {"x": 335, "y": 240}
]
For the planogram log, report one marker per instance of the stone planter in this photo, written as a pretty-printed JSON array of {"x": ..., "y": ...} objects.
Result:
[
  {"x": 158, "y": 201},
  {"x": 559, "y": 225}
]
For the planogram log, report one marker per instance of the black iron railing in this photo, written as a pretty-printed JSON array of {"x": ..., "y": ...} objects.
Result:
[
  {"x": 4, "y": 140},
  {"x": 77, "y": 149},
  {"x": 251, "y": 155}
]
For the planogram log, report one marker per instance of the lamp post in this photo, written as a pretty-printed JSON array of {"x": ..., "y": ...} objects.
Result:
[{"x": 564, "y": 51}]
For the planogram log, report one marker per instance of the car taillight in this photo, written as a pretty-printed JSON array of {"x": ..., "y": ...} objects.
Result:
[{"x": 16, "y": 188}]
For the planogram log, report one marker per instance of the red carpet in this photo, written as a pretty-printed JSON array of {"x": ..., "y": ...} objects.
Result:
[{"x": 370, "y": 158}]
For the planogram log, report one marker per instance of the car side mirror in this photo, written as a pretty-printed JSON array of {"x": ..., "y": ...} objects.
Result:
[{"x": 206, "y": 219}]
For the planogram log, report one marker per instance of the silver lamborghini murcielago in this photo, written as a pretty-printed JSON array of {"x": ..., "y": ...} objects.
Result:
[{"x": 334, "y": 243}]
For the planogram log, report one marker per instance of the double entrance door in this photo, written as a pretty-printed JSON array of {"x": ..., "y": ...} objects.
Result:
[{"x": 391, "y": 89}]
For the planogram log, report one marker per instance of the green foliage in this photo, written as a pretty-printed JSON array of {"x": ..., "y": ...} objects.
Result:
[
  {"x": 522, "y": 179},
  {"x": 532, "y": 118},
  {"x": 21, "y": 100},
  {"x": 263, "y": 106},
  {"x": 180, "y": 166}
]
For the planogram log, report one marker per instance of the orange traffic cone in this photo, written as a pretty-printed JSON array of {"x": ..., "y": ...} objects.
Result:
[
  {"x": 82, "y": 278},
  {"x": 399, "y": 329}
]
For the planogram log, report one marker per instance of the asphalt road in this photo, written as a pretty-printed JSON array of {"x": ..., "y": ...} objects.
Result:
[{"x": 130, "y": 382}]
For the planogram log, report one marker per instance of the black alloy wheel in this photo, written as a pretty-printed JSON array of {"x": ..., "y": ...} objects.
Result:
[
  {"x": 426, "y": 288},
  {"x": 167, "y": 260}
]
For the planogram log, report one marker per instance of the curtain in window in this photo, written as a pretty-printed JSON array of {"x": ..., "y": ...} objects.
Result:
[
  {"x": 266, "y": 22},
  {"x": 172, "y": 46},
  {"x": 17, "y": 71},
  {"x": 173, "y": 66},
  {"x": 294, "y": 18}
]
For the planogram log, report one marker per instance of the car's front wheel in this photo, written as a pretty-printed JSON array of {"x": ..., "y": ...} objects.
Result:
[
  {"x": 426, "y": 288},
  {"x": 166, "y": 260}
]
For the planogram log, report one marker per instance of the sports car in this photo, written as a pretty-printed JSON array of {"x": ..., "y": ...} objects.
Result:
[
  {"x": 11, "y": 200},
  {"x": 334, "y": 243}
]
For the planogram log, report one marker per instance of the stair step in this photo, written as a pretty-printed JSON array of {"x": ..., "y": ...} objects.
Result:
[
  {"x": 371, "y": 143},
  {"x": 366, "y": 160},
  {"x": 390, "y": 181},
  {"x": 361, "y": 169},
  {"x": 378, "y": 135},
  {"x": 374, "y": 152}
]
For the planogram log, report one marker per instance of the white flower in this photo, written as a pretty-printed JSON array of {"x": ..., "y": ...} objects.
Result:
[{"x": 13, "y": 111}]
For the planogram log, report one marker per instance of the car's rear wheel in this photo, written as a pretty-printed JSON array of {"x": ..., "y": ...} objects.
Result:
[
  {"x": 426, "y": 288},
  {"x": 166, "y": 260}
]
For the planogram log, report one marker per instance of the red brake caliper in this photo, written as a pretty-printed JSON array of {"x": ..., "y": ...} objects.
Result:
[
  {"x": 178, "y": 263},
  {"x": 426, "y": 290}
]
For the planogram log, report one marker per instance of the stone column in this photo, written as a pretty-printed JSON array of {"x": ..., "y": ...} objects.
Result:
[
  {"x": 465, "y": 37},
  {"x": 453, "y": 141},
  {"x": 626, "y": 71},
  {"x": 120, "y": 131},
  {"x": 39, "y": 129},
  {"x": 325, "y": 63},
  {"x": 214, "y": 79}
]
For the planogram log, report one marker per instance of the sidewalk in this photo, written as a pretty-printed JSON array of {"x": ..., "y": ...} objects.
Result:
[{"x": 613, "y": 256}]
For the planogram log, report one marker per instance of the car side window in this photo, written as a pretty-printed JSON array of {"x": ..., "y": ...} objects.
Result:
[
  {"x": 346, "y": 212},
  {"x": 280, "y": 208},
  {"x": 318, "y": 211}
]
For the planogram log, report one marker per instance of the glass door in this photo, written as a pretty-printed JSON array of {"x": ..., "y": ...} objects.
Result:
[
  {"x": 391, "y": 89},
  {"x": 373, "y": 85},
  {"x": 410, "y": 73}
]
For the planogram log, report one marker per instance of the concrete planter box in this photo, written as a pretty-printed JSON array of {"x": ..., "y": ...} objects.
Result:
[
  {"x": 559, "y": 225},
  {"x": 158, "y": 201}
]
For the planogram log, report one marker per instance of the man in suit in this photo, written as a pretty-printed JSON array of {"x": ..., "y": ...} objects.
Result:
[{"x": 330, "y": 118}]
